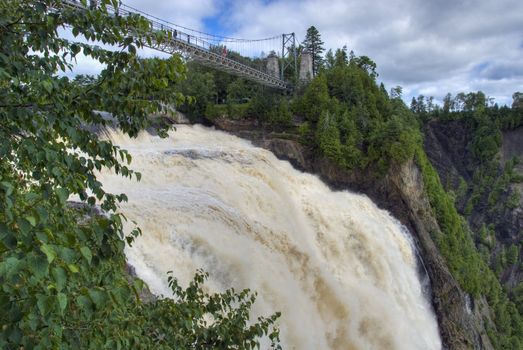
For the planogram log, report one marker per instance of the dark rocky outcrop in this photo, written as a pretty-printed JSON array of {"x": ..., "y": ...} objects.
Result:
[
  {"x": 402, "y": 193},
  {"x": 446, "y": 147}
]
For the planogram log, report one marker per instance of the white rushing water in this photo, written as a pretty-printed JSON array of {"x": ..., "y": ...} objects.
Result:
[{"x": 341, "y": 271}]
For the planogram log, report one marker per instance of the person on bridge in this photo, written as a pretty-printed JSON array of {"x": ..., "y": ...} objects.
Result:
[{"x": 175, "y": 33}]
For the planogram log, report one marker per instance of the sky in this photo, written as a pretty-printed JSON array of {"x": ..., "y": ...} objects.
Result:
[{"x": 428, "y": 47}]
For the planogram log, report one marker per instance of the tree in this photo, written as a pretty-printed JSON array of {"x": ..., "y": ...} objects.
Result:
[
  {"x": 413, "y": 105},
  {"x": 517, "y": 100},
  {"x": 316, "y": 99},
  {"x": 396, "y": 92},
  {"x": 238, "y": 90},
  {"x": 366, "y": 64},
  {"x": 329, "y": 59},
  {"x": 314, "y": 46},
  {"x": 328, "y": 137},
  {"x": 448, "y": 103},
  {"x": 62, "y": 275},
  {"x": 201, "y": 88},
  {"x": 341, "y": 58},
  {"x": 512, "y": 254}
]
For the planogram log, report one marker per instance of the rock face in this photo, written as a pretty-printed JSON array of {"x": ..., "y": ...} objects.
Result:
[
  {"x": 513, "y": 147},
  {"x": 446, "y": 147},
  {"x": 401, "y": 192},
  {"x": 446, "y": 144}
]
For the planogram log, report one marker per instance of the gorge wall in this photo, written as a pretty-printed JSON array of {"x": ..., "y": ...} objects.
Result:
[{"x": 446, "y": 144}]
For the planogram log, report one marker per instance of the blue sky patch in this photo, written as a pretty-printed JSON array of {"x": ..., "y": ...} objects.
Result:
[
  {"x": 212, "y": 26},
  {"x": 481, "y": 67}
]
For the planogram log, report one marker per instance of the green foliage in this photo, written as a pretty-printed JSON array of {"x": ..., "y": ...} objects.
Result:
[
  {"x": 513, "y": 200},
  {"x": 62, "y": 276},
  {"x": 512, "y": 254},
  {"x": 230, "y": 111},
  {"x": 201, "y": 87},
  {"x": 328, "y": 137},
  {"x": 472, "y": 105},
  {"x": 392, "y": 141},
  {"x": 486, "y": 139},
  {"x": 355, "y": 122},
  {"x": 315, "y": 100},
  {"x": 281, "y": 115},
  {"x": 366, "y": 64},
  {"x": 455, "y": 244},
  {"x": 238, "y": 90}
]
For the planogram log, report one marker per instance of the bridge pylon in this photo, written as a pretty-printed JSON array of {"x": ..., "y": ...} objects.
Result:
[{"x": 288, "y": 54}]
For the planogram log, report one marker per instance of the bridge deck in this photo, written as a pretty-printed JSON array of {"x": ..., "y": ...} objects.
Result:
[{"x": 200, "y": 51}]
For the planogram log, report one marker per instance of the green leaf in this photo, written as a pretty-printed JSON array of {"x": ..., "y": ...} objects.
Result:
[
  {"x": 63, "y": 194},
  {"x": 73, "y": 268},
  {"x": 98, "y": 297},
  {"x": 38, "y": 265},
  {"x": 47, "y": 85},
  {"x": 45, "y": 304},
  {"x": 62, "y": 301},
  {"x": 59, "y": 277},
  {"x": 86, "y": 252},
  {"x": 67, "y": 254},
  {"x": 49, "y": 252},
  {"x": 31, "y": 219},
  {"x": 8, "y": 187},
  {"x": 10, "y": 267},
  {"x": 85, "y": 304}
]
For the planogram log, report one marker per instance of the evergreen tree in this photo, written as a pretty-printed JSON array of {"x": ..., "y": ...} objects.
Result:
[
  {"x": 329, "y": 59},
  {"x": 314, "y": 45},
  {"x": 517, "y": 100},
  {"x": 340, "y": 57}
]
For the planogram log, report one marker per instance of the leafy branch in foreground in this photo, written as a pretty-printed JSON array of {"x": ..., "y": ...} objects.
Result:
[{"x": 62, "y": 270}]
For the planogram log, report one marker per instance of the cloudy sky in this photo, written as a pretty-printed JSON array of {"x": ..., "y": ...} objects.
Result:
[{"x": 428, "y": 47}]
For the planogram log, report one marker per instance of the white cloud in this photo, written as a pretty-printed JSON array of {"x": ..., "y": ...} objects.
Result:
[
  {"x": 425, "y": 46},
  {"x": 188, "y": 13}
]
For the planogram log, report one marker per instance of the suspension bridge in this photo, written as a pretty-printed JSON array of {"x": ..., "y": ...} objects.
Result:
[{"x": 225, "y": 53}]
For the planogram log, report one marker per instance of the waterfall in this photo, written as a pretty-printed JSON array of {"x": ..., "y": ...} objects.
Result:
[{"x": 341, "y": 271}]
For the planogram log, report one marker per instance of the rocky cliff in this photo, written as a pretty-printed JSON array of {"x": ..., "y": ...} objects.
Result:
[
  {"x": 401, "y": 191},
  {"x": 447, "y": 146}
]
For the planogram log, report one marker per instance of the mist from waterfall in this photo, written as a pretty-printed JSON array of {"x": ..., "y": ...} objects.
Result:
[{"x": 341, "y": 271}]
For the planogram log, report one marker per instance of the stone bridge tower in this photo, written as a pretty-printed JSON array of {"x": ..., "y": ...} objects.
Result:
[
  {"x": 306, "y": 72},
  {"x": 273, "y": 65}
]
